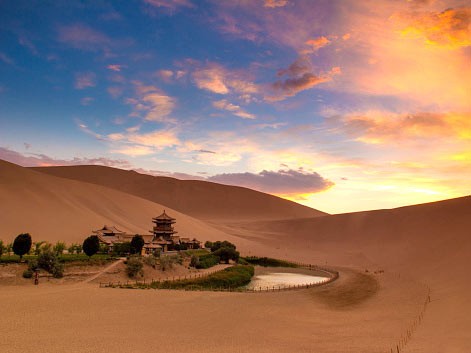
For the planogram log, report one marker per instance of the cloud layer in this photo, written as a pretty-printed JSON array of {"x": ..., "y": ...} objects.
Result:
[{"x": 282, "y": 182}]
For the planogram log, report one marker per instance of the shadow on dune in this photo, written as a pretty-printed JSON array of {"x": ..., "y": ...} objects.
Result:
[{"x": 350, "y": 290}]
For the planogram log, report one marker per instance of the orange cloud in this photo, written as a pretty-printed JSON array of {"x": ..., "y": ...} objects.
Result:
[
  {"x": 316, "y": 44},
  {"x": 217, "y": 79},
  {"x": 381, "y": 127},
  {"x": 275, "y": 3},
  {"x": 151, "y": 103},
  {"x": 450, "y": 28}
]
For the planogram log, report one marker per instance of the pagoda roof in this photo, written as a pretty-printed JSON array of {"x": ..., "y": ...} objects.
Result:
[
  {"x": 164, "y": 216},
  {"x": 108, "y": 230}
]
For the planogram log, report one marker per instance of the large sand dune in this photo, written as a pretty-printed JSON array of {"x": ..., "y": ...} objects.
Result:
[
  {"x": 417, "y": 246},
  {"x": 428, "y": 244},
  {"x": 53, "y": 208},
  {"x": 200, "y": 199}
]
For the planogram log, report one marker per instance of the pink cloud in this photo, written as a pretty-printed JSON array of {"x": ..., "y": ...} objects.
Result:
[
  {"x": 223, "y": 104},
  {"x": 275, "y": 3},
  {"x": 283, "y": 182},
  {"x": 41, "y": 160},
  {"x": 83, "y": 37},
  {"x": 115, "y": 67},
  {"x": 84, "y": 80}
]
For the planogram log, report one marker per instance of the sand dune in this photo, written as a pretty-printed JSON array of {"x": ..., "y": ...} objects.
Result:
[
  {"x": 200, "y": 199},
  {"x": 52, "y": 208},
  {"x": 429, "y": 244},
  {"x": 417, "y": 246}
]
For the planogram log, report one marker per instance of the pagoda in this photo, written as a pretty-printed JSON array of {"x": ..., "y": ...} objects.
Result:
[{"x": 163, "y": 228}]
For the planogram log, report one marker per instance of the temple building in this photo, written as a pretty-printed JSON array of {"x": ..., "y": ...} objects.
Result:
[{"x": 162, "y": 238}]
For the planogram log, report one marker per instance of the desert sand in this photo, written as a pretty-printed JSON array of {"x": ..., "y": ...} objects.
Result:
[{"x": 417, "y": 247}]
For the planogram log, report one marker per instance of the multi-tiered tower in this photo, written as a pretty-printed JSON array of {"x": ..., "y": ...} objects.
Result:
[{"x": 163, "y": 229}]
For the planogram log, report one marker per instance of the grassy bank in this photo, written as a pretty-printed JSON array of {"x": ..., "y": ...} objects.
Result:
[
  {"x": 96, "y": 259},
  {"x": 268, "y": 262},
  {"x": 229, "y": 278}
]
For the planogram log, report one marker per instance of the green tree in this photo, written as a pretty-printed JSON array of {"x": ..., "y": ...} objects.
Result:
[
  {"x": 59, "y": 248},
  {"x": 222, "y": 244},
  {"x": 226, "y": 254},
  {"x": 137, "y": 243},
  {"x": 91, "y": 245},
  {"x": 22, "y": 244},
  {"x": 1, "y": 247}
]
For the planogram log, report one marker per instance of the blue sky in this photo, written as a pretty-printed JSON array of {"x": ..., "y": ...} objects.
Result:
[{"x": 339, "y": 105}]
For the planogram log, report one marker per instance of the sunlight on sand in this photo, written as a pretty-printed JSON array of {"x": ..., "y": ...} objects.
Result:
[{"x": 283, "y": 280}]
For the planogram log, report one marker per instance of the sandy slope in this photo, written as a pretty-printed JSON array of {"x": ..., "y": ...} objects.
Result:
[
  {"x": 52, "y": 208},
  {"x": 428, "y": 243},
  {"x": 200, "y": 199},
  {"x": 416, "y": 246}
]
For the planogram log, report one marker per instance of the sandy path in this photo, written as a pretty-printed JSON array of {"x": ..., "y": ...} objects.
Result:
[{"x": 106, "y": 269}]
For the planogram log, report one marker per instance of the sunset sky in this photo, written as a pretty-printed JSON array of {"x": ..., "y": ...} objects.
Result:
[{"x": 339, "y": 105}]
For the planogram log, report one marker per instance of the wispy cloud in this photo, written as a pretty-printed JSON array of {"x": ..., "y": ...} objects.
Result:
[
  {"x": 170, "y": 4},
  {"x": 115, "y": 67},
  {"x": 379, "y": 127},
  {"x": 6, "y": 59},
  {"x": 134, "y": 143},
  {"x": 217, "y": 79},
  {"x": 87, "y": 101},
  {"x": 84, "y": 37},
  {"x": 223, "y": 104},
  {"x": 84, "y": 80},
  {"x": 151, "y": 103},
  {"x": 42, "y": 160}
]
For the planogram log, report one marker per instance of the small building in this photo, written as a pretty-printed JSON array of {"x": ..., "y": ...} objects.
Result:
[{"x": 162, "y": 238}]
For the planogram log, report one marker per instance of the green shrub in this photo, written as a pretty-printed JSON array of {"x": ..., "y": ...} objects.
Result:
[
  {"x": 207, "y": 261},
  {"x": 46, "y": 260},
  {"x": 33, "y": 264},
  {"x": 57, "y": 270},
  {"x": 27, "y": 273},
  {"x": 49, "y": 262},
  {"x": 268, "y": 262},
  {"x": 195, "y": 261},
  {"x": 242, "y": 261},
  {"x": 122, "y": 249},
  {"x": 134, "y": 266},
  {"x": 150, "y": 261}
]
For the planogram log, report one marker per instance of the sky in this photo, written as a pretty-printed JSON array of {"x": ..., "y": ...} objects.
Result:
[{"x": 339, "y": 105}]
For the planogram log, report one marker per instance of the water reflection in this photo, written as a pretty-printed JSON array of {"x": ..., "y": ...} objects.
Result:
[{"x": 283, "y": 280}]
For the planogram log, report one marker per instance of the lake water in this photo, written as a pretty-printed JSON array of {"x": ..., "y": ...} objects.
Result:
[{"x": 283, "y": 280}]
